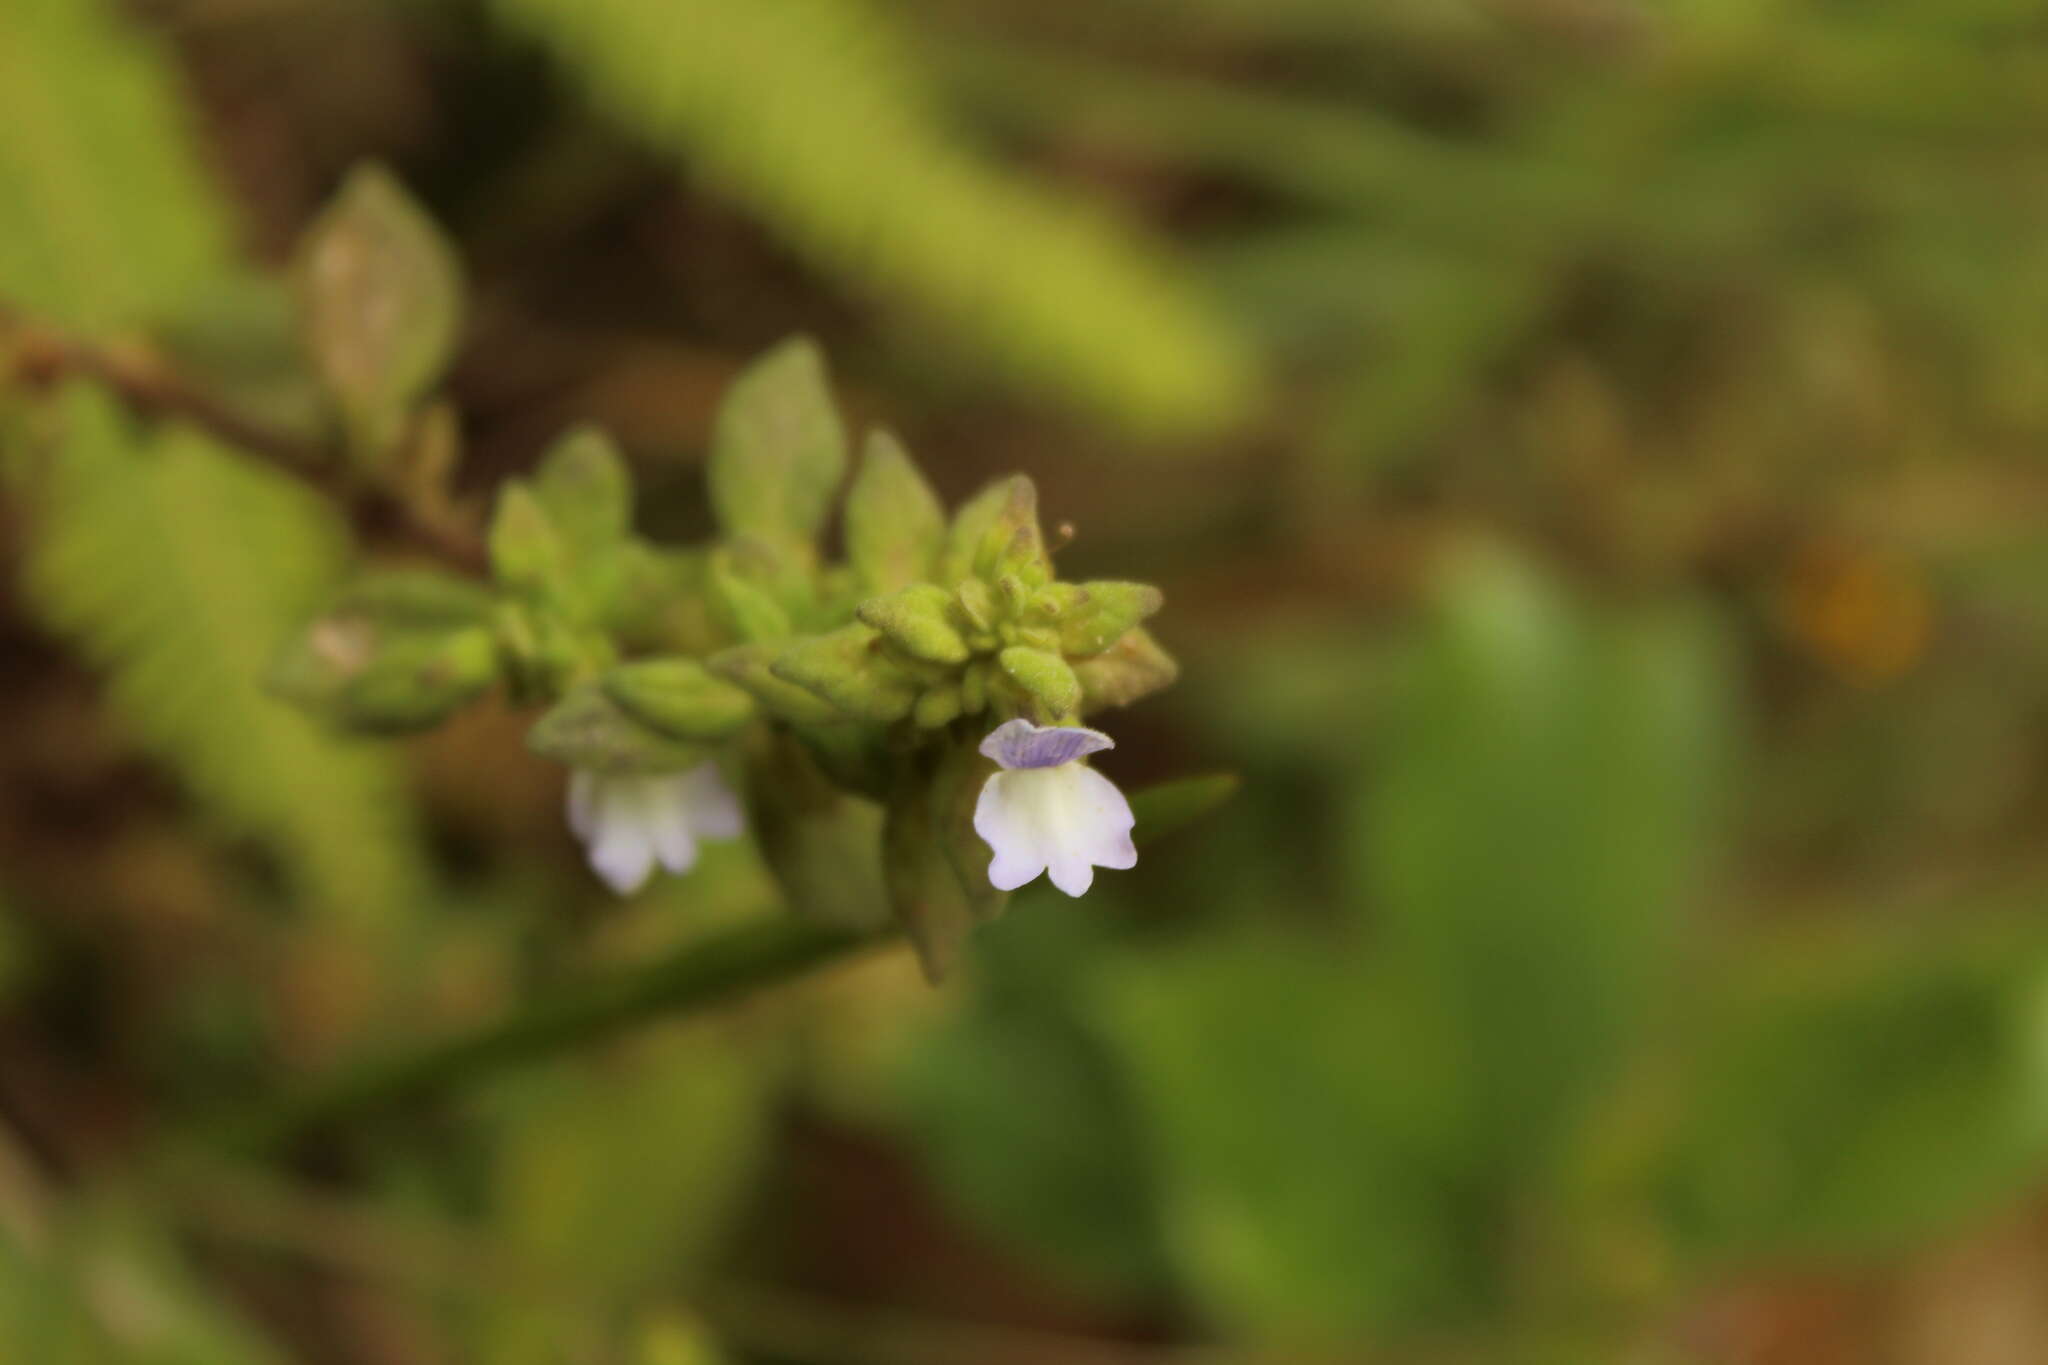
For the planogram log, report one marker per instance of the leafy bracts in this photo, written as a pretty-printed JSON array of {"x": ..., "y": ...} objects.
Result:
[{"x": 852, "y": 695}]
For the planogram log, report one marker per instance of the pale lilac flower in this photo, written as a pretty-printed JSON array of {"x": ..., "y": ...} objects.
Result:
[
  {"x": 629, "y": 823},
  {"x": 1047, "y": 811}
]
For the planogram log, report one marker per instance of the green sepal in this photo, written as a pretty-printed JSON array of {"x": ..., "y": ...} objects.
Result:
[
  {"x": 680, "y": 698},
  {"x": 418, "y": 681},
  {"x": 894, "y": 523},
  {"x": 857, "y": 757},
  {"x": 977, "y": 605},
  {"x": 1133, "y": 667},
  {"x": 1093, "y": 616},
  {"x": 938, "y": 705},
  {"x": 918, "y": 621},
  {"x": 363, "y": 672},
  {"x": 563, "y": 538},
  {"x": 587, "y": 729},
  {"x": 542, "y": 653},
  {"x": 1168, "y": 807},
  {"x": 744, "y": 607},
  {"x": 974, "y": 680},
  {"x": 664, "y": 604},
  {"x": 821, "y": 845},
  {"x": 848, "y": 668},
  {"x": 936, "y": 867},
  {"x": 749, "y": 667},
  {"x": 778, "y": 447},
  {"x": 416, "y": 599},
  {"x": 380, "y": 305},
  {"x": 1044, "y": 677}
]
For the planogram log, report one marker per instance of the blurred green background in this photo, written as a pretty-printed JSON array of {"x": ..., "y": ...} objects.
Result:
[{"x": 1593, "y": 454}]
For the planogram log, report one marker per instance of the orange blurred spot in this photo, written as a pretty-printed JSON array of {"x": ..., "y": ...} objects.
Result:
[{"x": 1864, "y": 615}]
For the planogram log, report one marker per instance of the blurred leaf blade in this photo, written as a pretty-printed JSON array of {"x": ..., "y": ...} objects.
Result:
[
  {"x": 808, "y": 112},
  {"x": 175, "y": 564},
  {"x": 178, "y": 567},
  {"x": 113, "y": 222}
]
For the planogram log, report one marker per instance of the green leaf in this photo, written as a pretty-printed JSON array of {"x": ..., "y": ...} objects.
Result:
[
  {"x": 1168, "y": 807},
  {"x": 778, "y": 448},
  {"x": 808, "y": 112},
  {"x": 1290, "y": 1103},
  {"x": 101, "y": 1282},
  {"x": 629, "y": 1173},
  {"x": 1071, "y": 1188},
  {"x": 380, "y": 299},
  {"x": 894, "y": 524},
  {"x": 1540, "y": 805},
  {"x": 1853, "y": 1102},
  {"x": 680, "y": 698}
]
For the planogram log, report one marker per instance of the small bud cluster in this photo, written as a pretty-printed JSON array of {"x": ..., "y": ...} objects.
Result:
[{"x": 831, "y": 688}]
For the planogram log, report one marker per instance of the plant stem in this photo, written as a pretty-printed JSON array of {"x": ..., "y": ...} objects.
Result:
[
  {"x": 41, "y": 357},
  {"x": 751, "y": 957},
  {"x": 695, "y": 978}
]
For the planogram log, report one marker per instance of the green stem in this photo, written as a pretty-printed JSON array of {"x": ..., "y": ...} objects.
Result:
[{"x": 696, "y": 978}]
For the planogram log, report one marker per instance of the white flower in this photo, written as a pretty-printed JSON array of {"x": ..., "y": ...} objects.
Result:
[
  {"x": 629, "y": 823},
  {"x": 1046, "y": 811}
]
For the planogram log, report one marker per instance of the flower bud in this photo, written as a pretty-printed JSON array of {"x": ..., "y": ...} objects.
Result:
[
  {"x": 680, "y": 698},
  {"x": 743, "y": 606},
  {"x": 590, "y": 731},
  {"x": 938, "y": 705},
  {"x": 915, "y": 621},
  {"x": 848, "y": 668},
  {"x": 749, "y": 667},
  {"x": 1045, "y": 677},
  {"x": 367, "y": 674}
]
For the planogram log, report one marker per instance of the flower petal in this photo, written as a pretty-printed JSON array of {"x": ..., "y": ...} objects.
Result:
[
  {"x": 586, "y": 789},
  {"x": 673, "y": 843},
  {"x": 712, "y": 809},
  {"x": 623, "y": 855},
  {"x": 1020, "y": 744},
  {"x": 1101, "y": 821},
  {"x": 1072, "y": 873},
  {"x": 1007, "y": 821}
]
